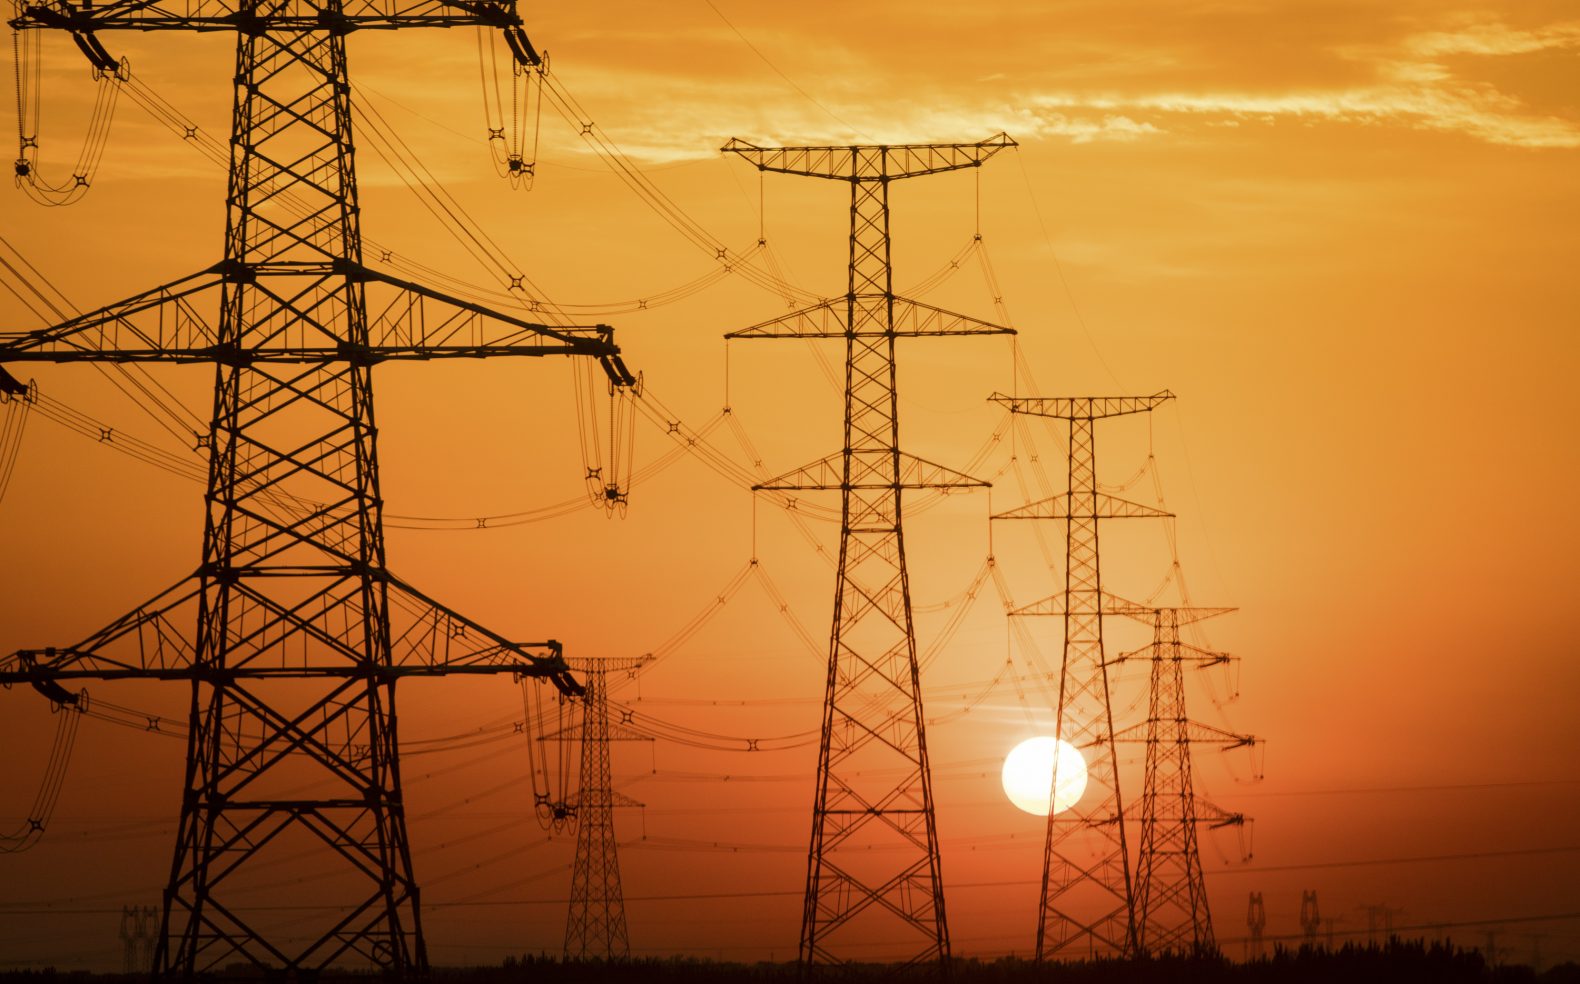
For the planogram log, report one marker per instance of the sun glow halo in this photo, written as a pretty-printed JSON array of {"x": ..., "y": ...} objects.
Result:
[{"x": 1028, "y": 775}]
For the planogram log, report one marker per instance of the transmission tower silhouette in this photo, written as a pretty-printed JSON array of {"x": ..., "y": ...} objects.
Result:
[
  {"x": 873, "y": 861},
  {"x": 1256, "y": 922},
  {"x": 1172, "y": 914},
  {"x": 1310, "y": 917},
  {"x": 1086, "y": 907},
  {"x": 595, "y": 922},
  {"x": 137, "y": 938},
  {"x": 292, "y": 633}
]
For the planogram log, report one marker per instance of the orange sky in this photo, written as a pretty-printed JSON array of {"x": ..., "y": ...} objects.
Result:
[{"x": 1343, "y": 233}]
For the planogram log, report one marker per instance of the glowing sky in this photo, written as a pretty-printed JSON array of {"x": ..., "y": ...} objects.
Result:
[{"x": 1344, "y": 233}]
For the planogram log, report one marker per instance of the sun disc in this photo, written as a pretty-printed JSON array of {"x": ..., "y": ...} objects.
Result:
[{"x": 1028, "y": 775}]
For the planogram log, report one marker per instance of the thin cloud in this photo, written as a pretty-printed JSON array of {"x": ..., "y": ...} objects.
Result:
[
  {"x": 1412, "y": 89},
  {"x": 1494, "y": 39}
]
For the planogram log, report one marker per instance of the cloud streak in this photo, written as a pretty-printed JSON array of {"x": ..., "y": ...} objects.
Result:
[{"x": 1414, "y": 88}]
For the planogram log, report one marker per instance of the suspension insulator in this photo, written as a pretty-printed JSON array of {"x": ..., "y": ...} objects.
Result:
[
  {"x": 521, "y": 48},
  {"x": 55, "y": 692},
  {"x": 9, "y": 384},
  {"x": 102, "y": 60}
]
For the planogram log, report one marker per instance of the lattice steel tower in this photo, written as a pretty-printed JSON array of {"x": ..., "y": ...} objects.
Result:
[
  {"x": 872, "y": 713},
  {"x": 292, "y": 632},
  {"x": 1172, "y": 914},
  {"x": 595, "y": 922},
  {"x": 1086, "y": 907}
]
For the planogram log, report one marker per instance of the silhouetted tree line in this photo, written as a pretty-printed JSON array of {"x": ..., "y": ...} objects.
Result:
[{"x": 1396, "y": 962}]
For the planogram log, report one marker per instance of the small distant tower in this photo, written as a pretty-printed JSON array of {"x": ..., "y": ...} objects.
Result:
[
  {"x": 1255, "y": 921},
  {"x": 138, "y": 923},
  {"x": 595, "y": 926},
  {"x": 1310, "y": 917},
  {"x": 1172, "y": 914}
]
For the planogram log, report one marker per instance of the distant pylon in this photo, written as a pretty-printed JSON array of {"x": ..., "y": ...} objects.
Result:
[
  {"x": 873, "y": 872},
  {"x": 1087, "y": 907},
  {"x": 139, "y": 924},
  {"x": 1255, "y": 921},
  {"x": 595, "y": 924},
  {"x": 1172, "y": 915},
  {"x": 1310, "y": 916}
]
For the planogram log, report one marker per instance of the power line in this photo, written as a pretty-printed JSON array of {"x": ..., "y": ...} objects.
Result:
[{"x": 780, "y": 72}]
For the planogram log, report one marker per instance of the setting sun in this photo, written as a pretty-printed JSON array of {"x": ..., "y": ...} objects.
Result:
[{"x": 1028, "y": 775}]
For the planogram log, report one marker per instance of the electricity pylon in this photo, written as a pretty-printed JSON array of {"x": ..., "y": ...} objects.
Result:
[
  {"x": 1310, "y": 916},
  {"x": 595, "y": 923},
  {"x": 292, "y": 633},
  {"x": 1086, "y": 907},
  {"x": 873, "y": 861},
  {"x": 1172, "y": 914},
  {"x": 1256, "y": 922},
  {"x": 137, "y": 938}
]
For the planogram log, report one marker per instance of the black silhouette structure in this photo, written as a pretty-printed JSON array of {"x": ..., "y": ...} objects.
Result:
[
  {"x": 595, "y": 926},
  {"x": 1172, "y": 913},
  {"x": 1087, "y": 905},
  {"x": 1310, "y": 917},
  {"x": 138, "y": 932},
  {"x": 1256, "y": 925},
  {"x": 873, "y": 871},
  {"x": 293, "y": 632}
]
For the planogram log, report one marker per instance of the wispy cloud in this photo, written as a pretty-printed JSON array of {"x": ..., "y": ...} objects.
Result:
[
  {"x": 1412, "y": 86},
  {"x": 1494, "y": 38}
]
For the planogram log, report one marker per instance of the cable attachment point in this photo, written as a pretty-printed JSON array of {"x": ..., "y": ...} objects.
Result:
[{"x": 521, "y": 48}]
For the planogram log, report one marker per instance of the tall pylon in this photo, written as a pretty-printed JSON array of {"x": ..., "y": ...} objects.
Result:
[
  {"x": 1086, "y": 908},
  {"x": 293, "y": 632},
  {"x": 595, "y": 924},
  {"x": 873, "y": 872},
  {"x": 1172, "y": 914}
]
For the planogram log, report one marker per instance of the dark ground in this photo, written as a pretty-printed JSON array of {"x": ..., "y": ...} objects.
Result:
[{"x": 1399, "y": 962}]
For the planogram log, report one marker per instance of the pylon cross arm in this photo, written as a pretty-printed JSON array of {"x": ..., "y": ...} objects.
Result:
[
  {"x": 1193, "y": 732},
  {"x": 874, "y": 163},
  {"x": 220, "y": 15},
  {"x": 828, "y": 474},
  {"x": 1154, "y": 615},
  {"x": 172, "y": 323},
  {"x": 1064, "y": 506},
  {"x": 1081, "y": 407},
  {"x": 151, "y": 642},
  {"x": 831, "y": 319}
]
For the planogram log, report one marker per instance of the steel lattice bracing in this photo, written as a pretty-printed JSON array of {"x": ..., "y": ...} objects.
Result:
[
  {"x": 293, "y": 632},
  {"x": 1086, "y": 906},
  {"x": 595, "y": 926},
  {"x": 873, "y": 873},
  {"x": 1172, "y": 914}
]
